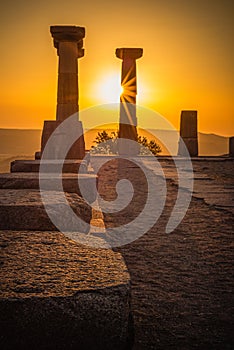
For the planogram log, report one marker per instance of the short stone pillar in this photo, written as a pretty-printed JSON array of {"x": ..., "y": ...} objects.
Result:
[
  {"x": 128, "y": 119},
  {"x": 68, "y": 40},
  {"x": 231, "y": 146},
  {"x": 188, "y": 133}
]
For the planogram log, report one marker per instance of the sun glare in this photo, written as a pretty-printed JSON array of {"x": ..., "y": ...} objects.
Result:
[{"x": 109, "y": 89}]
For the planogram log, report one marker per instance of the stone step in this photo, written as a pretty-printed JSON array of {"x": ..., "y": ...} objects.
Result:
[
  {"x": 24, "y": 210},
  {"x": 49, "y": 166},
  {"x": 58, "y": 294},
  {"x": 72, "y": 183}
]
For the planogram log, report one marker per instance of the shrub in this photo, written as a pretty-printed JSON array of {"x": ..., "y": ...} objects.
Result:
[{"x": 107, "y": 144}]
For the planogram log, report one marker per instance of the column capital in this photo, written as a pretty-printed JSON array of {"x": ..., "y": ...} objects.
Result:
[
  {"x": 125, "y": 52},
  {"x": 69, "y": 34}
]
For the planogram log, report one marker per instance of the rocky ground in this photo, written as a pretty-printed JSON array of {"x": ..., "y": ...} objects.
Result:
[{"x": 182, "y": 282}]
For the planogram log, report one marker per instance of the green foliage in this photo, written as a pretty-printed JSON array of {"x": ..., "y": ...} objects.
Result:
[
  {"x": 148, "y": 147},
  {"x": 107, "y": 144}
]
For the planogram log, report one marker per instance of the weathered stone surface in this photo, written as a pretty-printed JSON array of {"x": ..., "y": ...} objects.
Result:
[
  {"x": 63, "y": 137},
  {"x": 129, "y": 53},
  {"x": 188, "y": 124},
  {"x": 52, "y": 166},
  {"x": 182, "y": 283},
  {"x": 188, "y": 133},
  {"x": 231, "y": 146},
  {"x": 57, "y": 294},
  {"x": 24, "y": 210},
  {"x": 209, "y": 183},
  {"x": 192, "y": 147},
  {"x": 67, "y": 34},
  {"x": 72, "y": 183}
]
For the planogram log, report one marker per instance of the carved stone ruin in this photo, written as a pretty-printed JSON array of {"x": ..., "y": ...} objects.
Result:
[
  {"x": 188, "y": 133},
  {"x": 231, "y": 146},
  {"x": 128, "y": 119},
  {"x": 68, "y": 40}
]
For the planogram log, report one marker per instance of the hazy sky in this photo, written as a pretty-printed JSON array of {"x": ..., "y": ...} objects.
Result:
[{"x": 187, "y": 61}]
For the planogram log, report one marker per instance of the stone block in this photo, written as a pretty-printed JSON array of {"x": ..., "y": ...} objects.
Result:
[
  {"x": 231, "y": 146},
  {"x": 48, "y": 129},
  {"x": 77, "y": 150},
  {"x": 57, "y": 294},
  {"x": 192, "y": 146},
  {"x": 24, "y": 210},
  {"x": 71, "y": 183},
  {"x": 52, "y": 166},
  {"x": 188, "y": 124},
  {"x": 132, "y": 52}
]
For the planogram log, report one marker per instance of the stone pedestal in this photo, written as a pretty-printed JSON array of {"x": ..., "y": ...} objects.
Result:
[
  {"x": 231, "y": 146},
  {"x": 128, "y": 119},
  {"x": 77, "y": 150},
  {"x": 188, "y": 133}
]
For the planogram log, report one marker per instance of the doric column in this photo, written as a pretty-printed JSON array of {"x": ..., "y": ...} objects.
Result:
[
  {"x": 128, "y": 119},
  {"x": 188, "y": 133},
  {"x": 68, "y": 40}
]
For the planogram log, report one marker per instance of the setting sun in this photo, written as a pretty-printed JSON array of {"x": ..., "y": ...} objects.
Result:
[{"x": 108, "y": 88}]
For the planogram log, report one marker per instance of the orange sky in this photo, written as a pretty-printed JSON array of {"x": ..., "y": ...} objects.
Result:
[{"x": 187, "y": 61}]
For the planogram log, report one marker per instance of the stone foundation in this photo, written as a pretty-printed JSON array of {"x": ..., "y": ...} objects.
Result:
[
  {"x": 71, "y": 183},
  {"x": 51, "y": 166}
]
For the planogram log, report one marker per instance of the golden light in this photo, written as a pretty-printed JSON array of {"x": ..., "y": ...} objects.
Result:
[{"x": 108, "y": 89}]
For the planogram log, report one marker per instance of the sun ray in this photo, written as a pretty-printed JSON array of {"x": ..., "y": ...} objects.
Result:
[
  {"x": 129, "y": 93},
  {"x": 131, "y": 82},
  {"x": 127, "y": 75}
]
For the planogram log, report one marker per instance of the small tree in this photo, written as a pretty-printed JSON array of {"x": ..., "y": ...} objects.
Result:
[
  {"x": 107, "y": 144},
  {"x": 147, "y": 147}
]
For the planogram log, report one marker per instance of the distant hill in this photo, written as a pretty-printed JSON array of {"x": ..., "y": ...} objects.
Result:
[
  {"x": 208, "y": 144},
  {"x": 212, "y": 145},
  {"x": 18, "y": 143}
]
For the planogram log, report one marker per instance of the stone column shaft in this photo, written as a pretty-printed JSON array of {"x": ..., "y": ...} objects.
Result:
[
  {"x": 67, "y": 95},
  {"x": 69, "y": 43},
  {"x": 128, "y": 79},
  {"x": 128, "y": 119}
]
